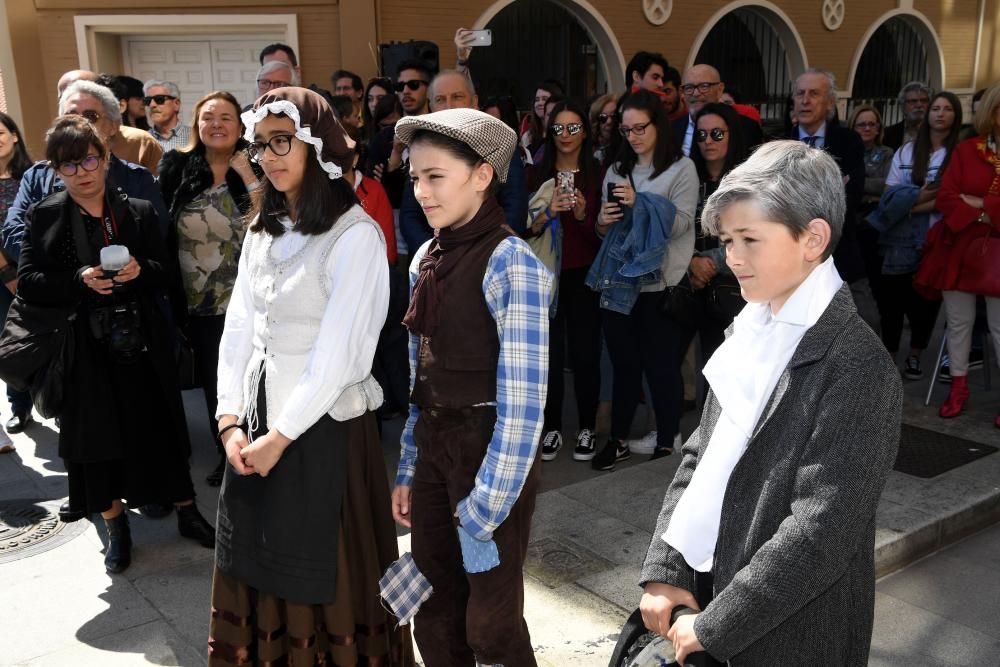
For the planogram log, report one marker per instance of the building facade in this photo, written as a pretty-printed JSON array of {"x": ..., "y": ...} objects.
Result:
[{"x": 871, "y": 46}]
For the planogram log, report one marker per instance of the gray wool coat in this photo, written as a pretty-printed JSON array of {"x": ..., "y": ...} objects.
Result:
[{"x": 794, "y": 561}]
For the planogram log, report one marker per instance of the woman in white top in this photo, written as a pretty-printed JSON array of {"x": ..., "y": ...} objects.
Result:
[
  {"x": 641, "y": 339},
  {"x": 305, "y": 523},
  {"x": 920, "y": 163}
]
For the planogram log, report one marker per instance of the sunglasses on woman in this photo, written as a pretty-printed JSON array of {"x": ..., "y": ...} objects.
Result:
[
  {"x": 574, "y": 128},
  {"x": 412, "y": 84},
  {"x": 717, "y": 134},
  {"x": 89, "y": 163},
  {"x": 603, "y": 118}
]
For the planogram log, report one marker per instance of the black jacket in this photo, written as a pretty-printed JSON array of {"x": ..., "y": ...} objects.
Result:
[
  {"x": 845, "y": 146},
  {"x": 46, "y": 277},
  {"x": 183, "y": 176}
]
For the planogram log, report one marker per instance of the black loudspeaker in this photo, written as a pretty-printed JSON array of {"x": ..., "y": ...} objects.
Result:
[{"x": 395, "y": 53}]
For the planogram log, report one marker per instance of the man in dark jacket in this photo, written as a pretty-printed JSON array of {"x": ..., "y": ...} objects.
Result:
[
  {"x": 914, "y": 99},
  {"x": 815, "y": 102}
]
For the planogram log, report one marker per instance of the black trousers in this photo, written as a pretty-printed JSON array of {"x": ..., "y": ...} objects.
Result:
[
  {"x": 205, "y": 334},
  {"x": 576, "y": 327},
  {"x": 646, "y": 342},
  {"x": 897, "y": 300}
]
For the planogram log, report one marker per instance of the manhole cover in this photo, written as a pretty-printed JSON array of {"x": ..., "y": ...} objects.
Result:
[
  {"x": 557, "y": 562},
  {"x": 29, "y": 527}
]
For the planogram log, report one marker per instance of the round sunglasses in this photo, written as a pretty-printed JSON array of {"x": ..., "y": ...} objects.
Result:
[
  {"x": 574, "y": 128},
  {"x": 717, "y": 134},
  {"x": 89, "y": 163}
]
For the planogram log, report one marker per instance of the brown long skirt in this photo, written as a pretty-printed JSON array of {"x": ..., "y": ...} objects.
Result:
[{"x": 251, "y": 627}]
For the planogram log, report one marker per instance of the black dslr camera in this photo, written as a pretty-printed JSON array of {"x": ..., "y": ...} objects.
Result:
[{"x": 119, "y": 326}]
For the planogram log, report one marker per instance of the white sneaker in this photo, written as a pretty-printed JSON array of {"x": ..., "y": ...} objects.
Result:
[
  {"x": 551, "y": 444},
  {"x": 644, "y": 445},
  {"x": 6, "y": 444},
  {"x": 586, "y": 446}
]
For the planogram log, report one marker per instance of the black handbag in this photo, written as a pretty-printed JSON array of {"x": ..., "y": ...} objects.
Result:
[
  {"x": 719, "y": 301},
  {"x": 683, "y": 303},
  {"x": 36, "y": 352}
]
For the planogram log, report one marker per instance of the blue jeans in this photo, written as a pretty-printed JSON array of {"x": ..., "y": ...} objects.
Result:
[{"x": 20, "y": 401}]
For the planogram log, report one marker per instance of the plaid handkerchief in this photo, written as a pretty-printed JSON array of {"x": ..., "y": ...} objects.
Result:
[{"x": 404, "y": 588}]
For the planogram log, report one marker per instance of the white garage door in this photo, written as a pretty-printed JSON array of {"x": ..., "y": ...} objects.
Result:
[{"x": 198, "y": 67}]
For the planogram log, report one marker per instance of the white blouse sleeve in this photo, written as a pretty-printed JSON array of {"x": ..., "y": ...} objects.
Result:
[
  {"x": 236, "y": 347},
  {"x": 358, "y": 276},
  {"x": 895, "y": 176}
]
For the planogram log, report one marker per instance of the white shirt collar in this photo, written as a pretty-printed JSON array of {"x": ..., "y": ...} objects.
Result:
[{"x": 821, "y": 132}]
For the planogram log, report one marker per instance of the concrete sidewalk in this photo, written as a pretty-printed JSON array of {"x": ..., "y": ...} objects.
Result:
[{"x": 589, "y": 537}]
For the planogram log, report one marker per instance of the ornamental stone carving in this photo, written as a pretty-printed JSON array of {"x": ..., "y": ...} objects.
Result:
[{"x": 657, "y": 11}]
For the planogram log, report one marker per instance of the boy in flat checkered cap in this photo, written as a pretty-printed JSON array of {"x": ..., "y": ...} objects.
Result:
[{"x": 478, "y": 322}]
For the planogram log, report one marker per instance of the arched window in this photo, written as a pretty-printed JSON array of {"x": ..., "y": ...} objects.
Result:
[
  {"x": 535, "y": 40},
  {"x": 894, "y": 55},
  {"x": 751, "y": 58}
]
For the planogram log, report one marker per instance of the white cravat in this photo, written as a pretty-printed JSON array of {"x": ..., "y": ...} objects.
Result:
[{"x": 743, "y": 373}]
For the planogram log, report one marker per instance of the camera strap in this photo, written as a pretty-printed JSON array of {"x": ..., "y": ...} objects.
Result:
[{"x": 109, "y": 226}]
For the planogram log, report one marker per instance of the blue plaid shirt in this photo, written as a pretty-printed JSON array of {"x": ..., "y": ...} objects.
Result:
[
  {"x": 177, "y": 138},
  {"x": 517, "y": 288}
]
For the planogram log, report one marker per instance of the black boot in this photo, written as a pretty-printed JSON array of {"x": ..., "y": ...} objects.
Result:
[
  {"x": 68, "y": 515},
  {"x": 119, "y": 554},
  {"x": 215, "y": 477},
  {"x": 192, "y": 524}
]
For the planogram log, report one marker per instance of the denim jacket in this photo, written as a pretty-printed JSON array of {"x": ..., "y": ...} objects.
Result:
[
  {"x": 632, "y": 252},
  {"x": 901, "y": 235}
]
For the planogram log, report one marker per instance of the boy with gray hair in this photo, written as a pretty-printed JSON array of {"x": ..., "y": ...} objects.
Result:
[
  {"x": 767, "y": 531},
  {"x": 163, "y": 98}
]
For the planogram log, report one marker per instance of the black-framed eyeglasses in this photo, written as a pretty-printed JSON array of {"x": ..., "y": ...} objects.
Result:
[
  {"x": 270, "y": 84},
  {"x": 159, "y": 99},
  {"x": 89, "y": 163},
  {"x": 280, "y": 144},
  {"x": 638, "y": 129},
  {"x": 703, "y": 87},
  {"x": 91, "y": 116},
  {"x": 574, "y": 128},
  {"x": 717, "y": 134},
  {"x": 603, "y": 118},
  {"x": 412, "y": 84}
]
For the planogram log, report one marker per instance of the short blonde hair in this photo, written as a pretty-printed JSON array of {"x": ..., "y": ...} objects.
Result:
[
  {"x": 986, "y": 111},
  {"x": 878, "y": 119}
]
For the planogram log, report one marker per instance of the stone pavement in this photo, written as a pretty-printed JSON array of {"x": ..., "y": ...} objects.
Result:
[{"x": 589, "y": 537}]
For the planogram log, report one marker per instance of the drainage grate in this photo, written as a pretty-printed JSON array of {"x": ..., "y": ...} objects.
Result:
[
  {"x": 925, "y": 453},
  {"x": 29, "y": 527}
]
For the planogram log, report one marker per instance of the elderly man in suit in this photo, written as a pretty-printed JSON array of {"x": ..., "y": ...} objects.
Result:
[
  {"x": 815, "y": 97},
  {"x": 768, "y": 527}
]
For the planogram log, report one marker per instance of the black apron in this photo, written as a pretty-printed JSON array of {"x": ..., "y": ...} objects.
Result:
[{"x": 279, "y": 533}]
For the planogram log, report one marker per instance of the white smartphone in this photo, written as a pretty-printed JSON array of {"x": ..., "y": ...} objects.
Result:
[{"x": 478, "y": 37}]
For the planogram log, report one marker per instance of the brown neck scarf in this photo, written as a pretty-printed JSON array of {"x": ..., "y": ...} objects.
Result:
[{"x": 444, "y": 253}]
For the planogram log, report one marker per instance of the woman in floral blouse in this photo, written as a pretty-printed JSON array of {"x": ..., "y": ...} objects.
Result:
[{"x": 206, "y": 186}]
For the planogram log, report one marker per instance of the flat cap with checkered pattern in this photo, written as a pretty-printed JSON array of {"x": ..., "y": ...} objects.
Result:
[{"x": 490, "y": 137}]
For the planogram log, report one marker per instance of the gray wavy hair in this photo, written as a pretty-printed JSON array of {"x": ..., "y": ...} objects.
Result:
[
  {"x": 171, "y": 87},
  {"x": 98, "y": 92},
  {"x": 790, "y": 183},
  {"x": 913, "y": 87},
  {"x": 275, "y": 65}
]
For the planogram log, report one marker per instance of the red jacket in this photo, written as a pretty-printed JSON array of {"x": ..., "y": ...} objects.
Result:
[
  {"x": 376, "y": 204},
  {"x": 968, "y": 173}
]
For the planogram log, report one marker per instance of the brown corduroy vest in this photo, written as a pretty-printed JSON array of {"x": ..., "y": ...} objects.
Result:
[{"x": 457, "y": 367}]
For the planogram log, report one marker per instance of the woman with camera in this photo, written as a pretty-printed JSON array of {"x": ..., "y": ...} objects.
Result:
[
  {"x": 206, "y": 188},
  {"x": 575, "y": 198},
  {"x": 123, "y": 433},
  {"x": 648, "y": 216}
]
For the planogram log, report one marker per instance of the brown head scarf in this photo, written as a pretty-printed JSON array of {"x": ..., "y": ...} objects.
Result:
[{"x": 315, "y": 124}]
